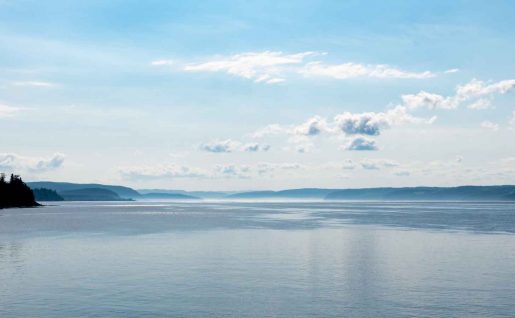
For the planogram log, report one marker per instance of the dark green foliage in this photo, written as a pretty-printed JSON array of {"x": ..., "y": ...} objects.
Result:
[
  {"x": 15, "y": 193},
  {"x": 43, "y": 194}
]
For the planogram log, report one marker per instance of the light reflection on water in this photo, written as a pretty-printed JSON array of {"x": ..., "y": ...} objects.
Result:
[{"x": 354, "y": 259}]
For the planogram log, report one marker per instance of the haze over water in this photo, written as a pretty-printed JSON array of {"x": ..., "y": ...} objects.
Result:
[{"x": 244, "y": 259}]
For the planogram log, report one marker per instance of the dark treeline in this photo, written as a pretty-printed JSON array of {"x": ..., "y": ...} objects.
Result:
[{"x": 15, "y": 193}]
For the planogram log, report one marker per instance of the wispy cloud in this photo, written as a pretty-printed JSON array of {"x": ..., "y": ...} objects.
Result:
[
  {"x": 6, "y": 110},
  {"x": 353, "y": 70},
  {"x": 228, "y": 146},
  {"x": 254, "y": 147},
  {"x": 219, "y": 171},
  {"x": 481, "y": 104},
  {"x": 377, "y": 164},
  {"x": 273, "y": 67},
  {"x": 267, "y": 66},
  {"x": 473, "y": 90},
  {"x": 41, "y": 84},
  {"x": 170, "y": 171},
  {"x": 162, "y": 62},
  {"x": 14, "y": 163},
  {"x": 452, "y": 70},
  {"x": 220, "y": 146},
  {"x": 489, "y": 125},
  {"x": 273, "y": 129}
]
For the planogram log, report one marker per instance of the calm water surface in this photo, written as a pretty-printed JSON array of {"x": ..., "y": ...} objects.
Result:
[{"x": 221, "y": 259}]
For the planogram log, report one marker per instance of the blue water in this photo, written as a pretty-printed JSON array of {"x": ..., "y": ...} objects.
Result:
[{"x": 221, "y": 259}]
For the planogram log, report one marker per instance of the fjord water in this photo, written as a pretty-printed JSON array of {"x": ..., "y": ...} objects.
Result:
[{"x": 243, "y": 259}]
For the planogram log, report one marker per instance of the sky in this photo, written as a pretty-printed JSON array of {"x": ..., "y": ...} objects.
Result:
[{"x": 249, "y": 95}]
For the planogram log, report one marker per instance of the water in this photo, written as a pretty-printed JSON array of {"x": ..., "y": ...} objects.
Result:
[{"x": 352, "y": 259}]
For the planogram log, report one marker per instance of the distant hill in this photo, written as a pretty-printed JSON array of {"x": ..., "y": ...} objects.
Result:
[
  {"x": 306, "y": 193},
  {"x": 121, "y": 191},
  {"x": 42, "y": 194},
  {"x": 91, "y": 194},
  {"x": 168, "y": 196},
  {"x": 469, "y": 193},
  {"x": 466, "y": 193},
  {"x": 199, "y": 194}
]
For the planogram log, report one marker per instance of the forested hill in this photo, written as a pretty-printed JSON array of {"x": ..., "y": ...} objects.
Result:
[
  {"x": 15, "y": 193},
  {"x": 462, "y": 193},
  {"x": 62, "y": 187}
]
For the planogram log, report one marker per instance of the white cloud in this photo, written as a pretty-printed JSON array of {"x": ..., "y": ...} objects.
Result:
[
  {"x": 6, "y": 110},
  {"x": 220, "y": 171},
  {"x": 372, "y": 123},
  {"x": 264, "y": 66},
  {"x": 361, "y": 144},
  {"x": 364, "y": 123},
  {"x": 273, "y": 129},
  {"x": 370, "y": 166},
  {"x": 429, "y": 100},
  {"x": 477, "y": 88},
  {"x": 14, "y": 163},
  {"x": 234, "y": 171},
  {"x": 512, "y": 120},
  {"x": 254, "y": 147},
  {"x": 312, "y": 127},
  {"x": 171, "y": 171},
  {"x": 352, "y": 70},
  {"x": 42, "y": 84},
  {"x": 481, "y": 104},
  {"x": 377, "y": 164},
  {"x": 264, "y": 168},
  {"x": 452, "y": 70},
  {"x": 162, "y": 62},
  {"x": 473, "y": 90},
  {"x": 227, "y": 146},
  {"x": 304, "y": 148},
  {"x": 220, "y": 146},
  {"x": 349, "y": 124},
  {"x": 489, "y": 125},
  {"x": 272, "y": 67}
]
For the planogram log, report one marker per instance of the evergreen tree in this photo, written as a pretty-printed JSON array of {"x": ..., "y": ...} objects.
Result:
[{"x": 15, "y": 193}]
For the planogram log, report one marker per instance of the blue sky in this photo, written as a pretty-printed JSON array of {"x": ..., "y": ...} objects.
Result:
[{"x": 236, "y": 95}]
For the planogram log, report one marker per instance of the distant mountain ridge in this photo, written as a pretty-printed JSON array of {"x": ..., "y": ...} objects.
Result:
[
  {"x": 304, "y": 193},
  {"x": 42, "y": 194},
  {"x": 91, "y": 194},
  {"x": 168, "y": 196},
  {"x": 121, "y": 191},
  {"x": 467, "y": 193},
  {"x": 200, "y": 194}
]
